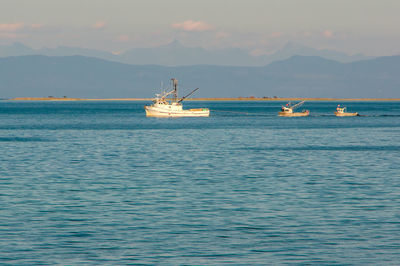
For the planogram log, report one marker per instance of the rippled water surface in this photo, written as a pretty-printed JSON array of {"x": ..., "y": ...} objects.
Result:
[{"x": 99, "y": 183}]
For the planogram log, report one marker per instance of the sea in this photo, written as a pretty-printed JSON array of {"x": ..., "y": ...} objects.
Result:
[{"x": 98, "y": 183}]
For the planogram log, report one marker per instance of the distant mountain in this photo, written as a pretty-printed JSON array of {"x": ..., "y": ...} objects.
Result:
[
  {"x": 71, "y": 51},
  {"x": 298, "y": 76},
  {"x": 318, "y": 77},
  {"x": 176, "y": 54},
  {"x": 291, "y": 49},
  {"x": 16, "y": 49},
  {"x": 19, "y": 49}
]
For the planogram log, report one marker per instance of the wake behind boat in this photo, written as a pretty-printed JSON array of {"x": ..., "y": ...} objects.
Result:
[
  {"x": 164, "y": 107},
  {"x": 288, "y": 110},
  {"x": 341, "y": 111}
]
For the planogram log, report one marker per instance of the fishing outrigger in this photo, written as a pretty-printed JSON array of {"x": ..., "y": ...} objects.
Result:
[
  {"x": 163, "y": 107},
  {"x": 341, "y": 111},
  {"x": 288, "y": 110}
]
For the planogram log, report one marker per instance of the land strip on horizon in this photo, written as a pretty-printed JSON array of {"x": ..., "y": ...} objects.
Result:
[{"x": 205, "y": 99}]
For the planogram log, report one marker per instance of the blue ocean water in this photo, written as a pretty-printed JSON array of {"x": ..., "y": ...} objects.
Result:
[{"x": 99, "y": 183}]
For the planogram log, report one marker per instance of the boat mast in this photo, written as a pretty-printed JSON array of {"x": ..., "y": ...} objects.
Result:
[
  {"x": 175, "y": 86},
  {"x": 298, "y": 105}
]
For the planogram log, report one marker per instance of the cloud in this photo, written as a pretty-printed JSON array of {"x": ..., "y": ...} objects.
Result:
[
  {"x": 222, "y": 35},
  {"x": 122, "y": 38},
  {"x": 11, "y": 27},
  {"x": 18, "y": 30},
  {"x": 19, "y": 27},
  {"x": 259, "y": 52},
  {"x": 328, "y": 34},
  {"x": 99, "y": 25},
  {"x": 36, "y": 26},
  {"x": 276, "y": 35},
  {"x": 190, "y": 25},
  {"x": 116, "y": 52}
]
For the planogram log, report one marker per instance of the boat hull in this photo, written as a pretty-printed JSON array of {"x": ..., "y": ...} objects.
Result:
[
  {"x": 306, "y": 113},
  {"x": 159, "y": 112},
  {"x": 346, "y": 114}
]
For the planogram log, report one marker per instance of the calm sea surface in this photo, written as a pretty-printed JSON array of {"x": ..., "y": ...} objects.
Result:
[{"x": 99, "y": 183}]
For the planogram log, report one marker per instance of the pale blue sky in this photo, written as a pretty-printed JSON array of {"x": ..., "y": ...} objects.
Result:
[{"x": 262, "y": 26}]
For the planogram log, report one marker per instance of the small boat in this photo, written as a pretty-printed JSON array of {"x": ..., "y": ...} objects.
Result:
[
  {"x": 164, "y": 107},
  {"x": 341, "y": 111},
  {"x": 288, "y": 110}
]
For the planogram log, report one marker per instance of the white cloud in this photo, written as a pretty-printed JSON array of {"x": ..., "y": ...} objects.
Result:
[
  {"x": 222, "y": 35},
  {"x": 99, "y": 25},
  {"x": 11, "y": 27},
  {"x": 276, "y": 35},
  {"x": 328, "y": 34},
  {"x": 122, "y": 38},
  {"x": 18, "y": 30},
  {"x": 36, "y": 26},
  {"x": 190, "y": 25}
]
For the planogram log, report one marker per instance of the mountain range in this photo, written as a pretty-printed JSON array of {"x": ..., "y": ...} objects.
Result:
[
  {"x": 176, "y": 54},
  {"x": 297, "y": 76}
]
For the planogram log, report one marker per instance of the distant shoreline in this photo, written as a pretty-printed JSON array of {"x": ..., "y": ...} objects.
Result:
[{"x": 204, "y": 99}]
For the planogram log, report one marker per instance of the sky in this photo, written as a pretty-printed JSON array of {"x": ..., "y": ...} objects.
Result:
[{"x": 370, "y": 27}]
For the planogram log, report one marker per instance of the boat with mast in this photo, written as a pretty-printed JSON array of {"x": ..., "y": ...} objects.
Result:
[
  {"x": 341, "y": 111},
  {"x": 288, "y": 110},
  {"x": 172, "y": 107}
]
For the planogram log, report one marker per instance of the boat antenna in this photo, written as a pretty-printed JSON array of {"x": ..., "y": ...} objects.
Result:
[
  {"x": 175, "y": 86},
  {"x": 184, "y": 97}
]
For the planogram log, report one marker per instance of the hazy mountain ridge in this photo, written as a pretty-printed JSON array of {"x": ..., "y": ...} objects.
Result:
[
  {"x": 298, "y": 76},
  {"x": 176, "y": 54}
]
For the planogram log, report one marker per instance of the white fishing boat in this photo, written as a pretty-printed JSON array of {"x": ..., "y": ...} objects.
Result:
[
  {"x": 341, "y": 111},
  {"x": 288, "y": 110},
  {"x": 172, "y": 107}
]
